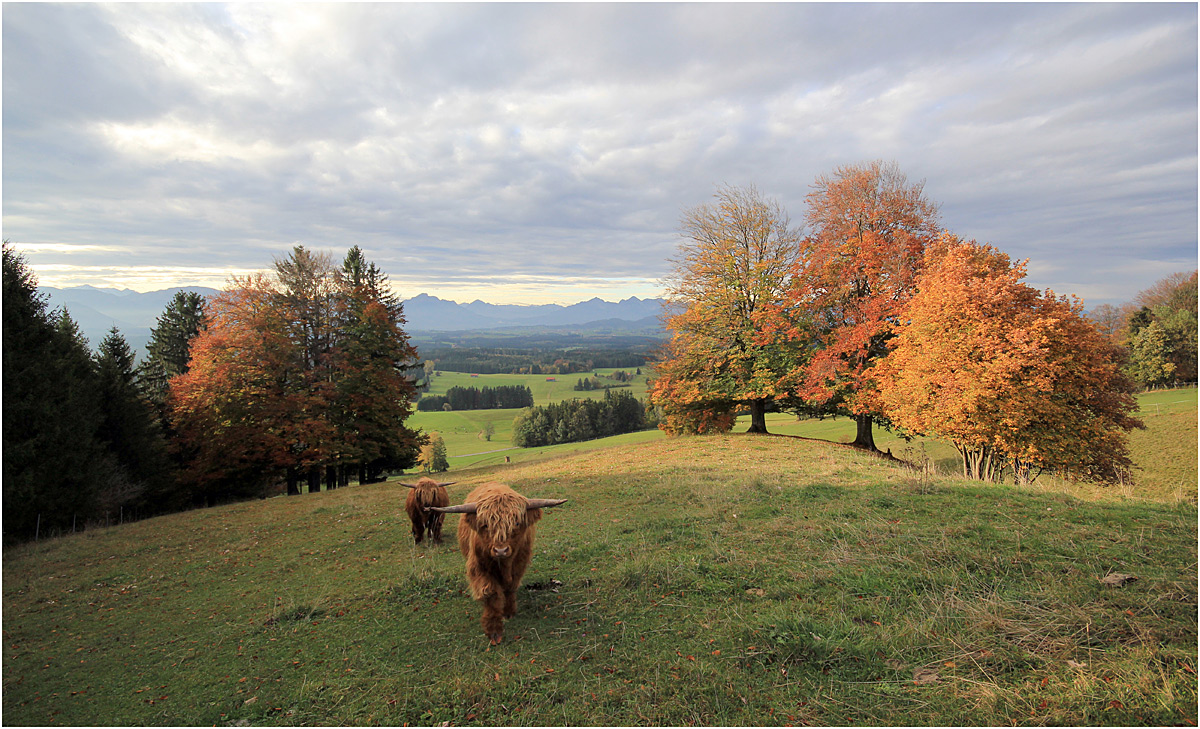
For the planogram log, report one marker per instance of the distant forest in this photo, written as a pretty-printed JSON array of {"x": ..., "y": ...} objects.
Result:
[
  {"x": 473, "y": 398},
  {"x": 493, "y": 361}
]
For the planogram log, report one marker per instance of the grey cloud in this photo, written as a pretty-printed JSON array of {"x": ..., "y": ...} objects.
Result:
[{"x": 533, "y": 140}]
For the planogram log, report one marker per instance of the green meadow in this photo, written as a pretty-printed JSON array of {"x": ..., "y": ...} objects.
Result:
[
  {"x": 462, "y": 432},
  {"x": 545, "y": 388},
  {"x": 718, "y": 580}
]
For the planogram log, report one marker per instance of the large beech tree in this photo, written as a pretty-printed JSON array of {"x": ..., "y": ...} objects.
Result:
[
  {"x": 870, "y": 226},
  {"x": 1016, "y": 379},
  {"x": 736, "y": 261}
]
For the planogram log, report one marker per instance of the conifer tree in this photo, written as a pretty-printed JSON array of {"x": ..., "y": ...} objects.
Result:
[
  {"x": 52, "y": 457},
  {"x": 128, "y": 430},
  {"x": 168, "y": 351}
]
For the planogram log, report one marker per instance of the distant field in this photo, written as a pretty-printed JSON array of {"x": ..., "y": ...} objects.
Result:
[
  {"x": 1165, "y": 454},
  {"x": 462, "y": 430},
  {"x": 545, "y": 388}
]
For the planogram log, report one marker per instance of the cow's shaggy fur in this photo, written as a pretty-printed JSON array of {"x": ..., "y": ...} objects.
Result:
[
  {"x": 426, "y": 493},
  {"x": 497, "y": 543}
]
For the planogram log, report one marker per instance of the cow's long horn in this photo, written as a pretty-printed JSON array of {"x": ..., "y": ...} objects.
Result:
[
  {"x": 470, "y": 508},
  {"x": 544, "y": 503},
  {"x": 447, "y": 483},
  {"x": 410, "y": 485}
]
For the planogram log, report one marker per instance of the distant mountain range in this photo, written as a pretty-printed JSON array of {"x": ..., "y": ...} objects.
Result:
[
  {"x": 97, "y": 310},
  {"x": 429, "y": 313}
]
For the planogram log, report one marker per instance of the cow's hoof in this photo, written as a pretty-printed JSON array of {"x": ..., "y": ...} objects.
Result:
[{"x": 495, "y": 638}]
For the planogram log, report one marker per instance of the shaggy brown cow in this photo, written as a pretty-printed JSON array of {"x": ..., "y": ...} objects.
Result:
[
  {"x": 426, "y": 493},
  {"x": 496, "y": 538}
]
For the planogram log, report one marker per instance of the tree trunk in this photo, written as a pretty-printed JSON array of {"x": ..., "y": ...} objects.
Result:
[
  {"x": 314, "y": 480},
  {"x": 331, "y": 478},
  {"x": 758, "y": 416},
  {"x": 343, "y": 475},
  {"x": 293, "y": 482},
  {"x": 362, "y": 473},
  {"x": 864, "y": 438}
]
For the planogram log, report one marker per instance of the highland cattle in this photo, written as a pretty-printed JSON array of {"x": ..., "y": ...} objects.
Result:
[
  {"x": 495, "y": 535},
  {"x": 426, "y": 493}
]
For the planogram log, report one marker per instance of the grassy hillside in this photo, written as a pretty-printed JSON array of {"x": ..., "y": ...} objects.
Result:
[{"x": 728, "y": 580}]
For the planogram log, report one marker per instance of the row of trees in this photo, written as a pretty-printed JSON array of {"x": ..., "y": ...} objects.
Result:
[
  {"x": 474, "y": 398},
  {"x": 297, "y": 376},
  {"x": 1158, "y": 330},
  {"x": 518, "y": 361},
  {"x": 80, "y": 444},
  {"x": 303, "y": 375},
  {"x": 878, "y": 314},
  {"x": 571, "y": 421}
]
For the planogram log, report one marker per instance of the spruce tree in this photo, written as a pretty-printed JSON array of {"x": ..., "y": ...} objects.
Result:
[
  {"x": 167, "y": 354},
  {"x": 52, "y": 459},
  {"x": 129, "y": 431}
]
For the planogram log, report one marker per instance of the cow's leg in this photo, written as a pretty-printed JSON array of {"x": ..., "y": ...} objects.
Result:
[
  {"x": 418, "y": 528},
  {"x": 493, "y": 616},
  {"x": 435, "y": 528},
  {"x": 519, "y": 565}
]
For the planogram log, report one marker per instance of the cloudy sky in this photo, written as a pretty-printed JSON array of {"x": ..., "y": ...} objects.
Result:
[{"x": 545, "y": 152}]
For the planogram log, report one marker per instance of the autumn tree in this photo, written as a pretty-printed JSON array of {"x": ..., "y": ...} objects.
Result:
[
  {"x": 736, "y": 261},
  {"x": 297, "y": 376},
  {"x": 305, "y": 296},
  {"x": 1112, "y": 320},
  {"x": 241, "y": 423},
  {"x": 1016, "y": 379},
  {"x": 870, "y": 227}
]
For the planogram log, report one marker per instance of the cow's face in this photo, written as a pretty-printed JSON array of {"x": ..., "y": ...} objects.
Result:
[{"x": 501, "y": 533}]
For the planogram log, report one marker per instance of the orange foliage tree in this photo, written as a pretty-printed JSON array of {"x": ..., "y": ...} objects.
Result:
[
  {"x": 235, "y": 408},
  {"x": 1016, "y": 379},
  {"x": 736, "y": 261},
  {"x": 869, "y": 228}
]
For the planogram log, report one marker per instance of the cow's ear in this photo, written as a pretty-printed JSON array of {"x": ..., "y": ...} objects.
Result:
[
  {"x": 532, "y": 515},
  {"x": 470, "y": 520}
]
